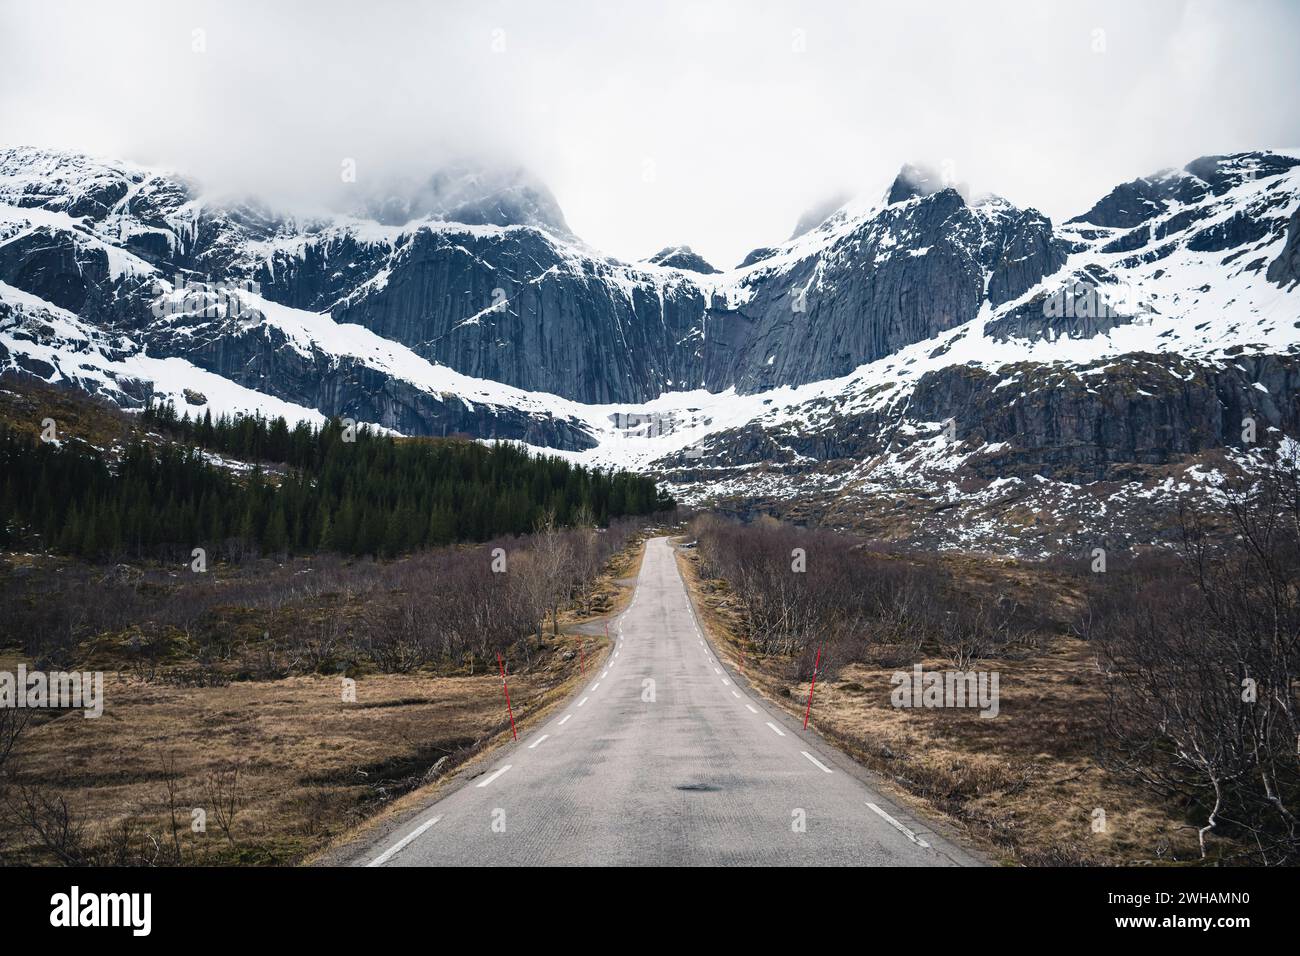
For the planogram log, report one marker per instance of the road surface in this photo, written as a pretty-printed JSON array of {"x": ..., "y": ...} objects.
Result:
[{"x": 661, "y": 759}]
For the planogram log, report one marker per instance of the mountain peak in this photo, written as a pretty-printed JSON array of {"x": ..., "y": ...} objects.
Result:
[
  {"x": 915, "y": 181},
  {"x": 682, "y": 257},
  {"x": 1130, "y": 204},
  {"x": 1222, "y": 173},
  {"x": 504, "y": 196},
  {"x": 819, "y": 212}
]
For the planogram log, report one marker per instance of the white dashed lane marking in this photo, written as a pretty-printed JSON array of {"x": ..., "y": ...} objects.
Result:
[
  {"x": 563, "y": 719},
  {"x": 775, "y": 729},
  {"x": 538, "y": 741},
  {"x": 485, "y": 782},
  {"x": 401, "y": 844},
  {"x": 817, "y": 763}
]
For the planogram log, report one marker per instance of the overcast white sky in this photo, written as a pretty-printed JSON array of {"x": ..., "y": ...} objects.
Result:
[{"x": 712, "y": 124}]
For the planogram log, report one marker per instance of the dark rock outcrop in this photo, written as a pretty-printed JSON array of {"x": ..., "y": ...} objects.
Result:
[
  {"x": 1285, "y": 269},
  {"x": 682, "y": 257},
  {"x": 757, "y": 255},
  {"x": 1146, "y": 409},
  {"x": 1133, "y": 203},
  {"x": 1070, "y": 424},
  {"x": 1026, "y": 252},
  {"x": 54, "y": 265},
  {"x": 321, "y": 272}
]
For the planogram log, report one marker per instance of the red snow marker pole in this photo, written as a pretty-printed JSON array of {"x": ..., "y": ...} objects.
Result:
[
  {"x": 506, "y": 686},
  {"x": 812, "y": 687}
]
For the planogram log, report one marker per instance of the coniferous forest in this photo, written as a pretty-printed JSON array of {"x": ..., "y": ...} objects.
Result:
[{"x": 333, "y": 488}]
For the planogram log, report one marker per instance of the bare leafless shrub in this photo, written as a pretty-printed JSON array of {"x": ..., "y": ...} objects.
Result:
[
  {"x": 13, "y": 721},
  {"x": 316, "y": 805},
  {"x": 852, "y": 602},
  {"x": 312, "y": 615},
  {"x": 981, "y": 629},
  {"x": 1202, "y": 657},
  {"x": 146, "y": 650},
  {"x": 550, "y": 572},
  {"x": 171, "y": 791},
  {"x": 126, "y": 843},
  {"x": 803, "y": 589},
  {"x": 46, "y": 815},
  {"x": 224, "y": 802},
  {"x": 318, "y": 651}
]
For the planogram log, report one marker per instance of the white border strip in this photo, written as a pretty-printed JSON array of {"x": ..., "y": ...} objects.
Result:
[{"x": 898, "y": 826}]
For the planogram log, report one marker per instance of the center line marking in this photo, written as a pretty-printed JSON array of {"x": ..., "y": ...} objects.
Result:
[
  {"x": 816, "y": 762},
  {"x": 779, "y": 732},
  {"x": 750, "y": 707},
  {"x": 899, "y": 827},
  {"x": 563, "y": 719},
  {"x": 538, "y": 741},
  {"x": 401, "y": 844},
  {"x": 495, "y": 775},
  {"x": 581, "y": 702}
]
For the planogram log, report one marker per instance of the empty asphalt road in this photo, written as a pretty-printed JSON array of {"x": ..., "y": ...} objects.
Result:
[{"x": 662, "y": 760}]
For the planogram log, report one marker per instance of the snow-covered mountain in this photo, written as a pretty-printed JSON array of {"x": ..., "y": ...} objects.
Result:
[{"x": 953, "y": 357}]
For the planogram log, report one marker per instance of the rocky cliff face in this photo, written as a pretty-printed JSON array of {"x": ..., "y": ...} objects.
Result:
[
  {"x": 1085, "y": 423},
  {"x": 868, "y": 286},
  {"x": 518, "y": 307}
]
